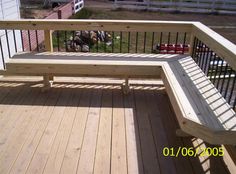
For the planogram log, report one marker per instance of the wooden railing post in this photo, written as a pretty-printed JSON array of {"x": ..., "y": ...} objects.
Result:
[
  {"x": 48, "y": 79},
  {"x": 48, "y": 40}
]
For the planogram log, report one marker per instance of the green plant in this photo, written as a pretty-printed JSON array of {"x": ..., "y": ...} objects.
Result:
[{"x": 82, "y": 14}]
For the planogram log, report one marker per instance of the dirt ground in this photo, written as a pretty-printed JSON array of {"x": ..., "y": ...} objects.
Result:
[{"x": 101, "y": 9}]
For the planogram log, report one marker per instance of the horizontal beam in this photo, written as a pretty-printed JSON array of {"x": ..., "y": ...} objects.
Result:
[
  {"x": 217, "y": 43},
  {"x": 221, "y": 46},
  {"x": 83, "y": 69},
  {"x": 93, "y": 25}
]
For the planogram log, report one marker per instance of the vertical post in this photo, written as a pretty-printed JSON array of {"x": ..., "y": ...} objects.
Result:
[
  {"x": 125, "y": 86},
  {"x": 48, "y": 40},
  {"x": 48, "y": 79}
]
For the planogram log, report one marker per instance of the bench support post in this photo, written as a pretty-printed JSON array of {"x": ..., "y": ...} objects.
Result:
[
  {"x": 48, "y": 40},
  {"x": 47, "y": 81},
  {"x": 125, "y": 86}
]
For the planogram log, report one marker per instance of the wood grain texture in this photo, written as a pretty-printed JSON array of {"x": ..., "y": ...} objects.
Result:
[
  {"x": 104, "y": 25},
  {"x": 59, "y": 130},
  {"x": 200, "y": 109}
]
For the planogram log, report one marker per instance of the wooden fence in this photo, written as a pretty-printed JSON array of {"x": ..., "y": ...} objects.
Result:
[{"x": 195, "y": 6}]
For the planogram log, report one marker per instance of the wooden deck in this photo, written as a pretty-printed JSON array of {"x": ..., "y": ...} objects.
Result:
[{"x": 92, "y": 128}]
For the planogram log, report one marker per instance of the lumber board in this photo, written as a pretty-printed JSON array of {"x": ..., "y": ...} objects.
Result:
[
  {"x": 73, "y": 151},
  {"x": 25, "y": 124},
  {"x": 221, "y": 46},
  {"x": 118, "y": 149},
  {"x": 159, "y": 135},
  {"x": 48, "y": 40},
  {"x": 148, "y": 149},
  {"x": 45, "y": 145},
  {"x": 134, "y": 155},
  {"x": 103, "y": 150},
  {"x": 31, "y": 144},
  {"x": 106, "y": 65},
  {"x": 200, "y": 109},
  {"x": 88, "y": 149},
  {"x": 170, "y": 125},
  {"x": 57, "y": 153},
  {"x": 230, "y": 157},
  {"x": 93, "y": 25}
]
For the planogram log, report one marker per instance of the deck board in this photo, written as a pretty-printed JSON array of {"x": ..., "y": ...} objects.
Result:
[
  {"x": 103, "y": 149},
  {"x": 92, "y": 128}
]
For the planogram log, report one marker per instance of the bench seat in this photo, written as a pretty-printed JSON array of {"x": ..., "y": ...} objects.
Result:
[
  {"x": 87, "y": 64},
  {"x": 200, "y": 109}
]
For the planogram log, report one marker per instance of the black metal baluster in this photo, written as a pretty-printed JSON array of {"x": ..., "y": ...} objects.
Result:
[
  {"x": 29, "y": 40},
  {"x": 194, "y": 48},
  {"x": 185, "y": 35},
  {"x": 227, "y": 85},
  {"x": 3, "y": 61},
  {"x": 73, "y": 41},
  {"x": 113, "y": 35},
  {"x": 160, "y": 42},
  {"x": 14, "y": 37},
  {"x": 232, "y": 89},
  {"x": 97, "y": 41},
  {"x": 136, "y": 46},
  {"x": 208, "y": 63},
  {"x": 176, "y": 42},
  {"x": 234, "y": 103},
  {"x": 8, "y": 46},
  {"x": 105, "y": 45},
  {"x": 213, "y": 66},
  {"x": 144, "y": 42},
  {"x": 197, "y": 51},
  {"x": 121, "y": 42},
  {"x": 202, "y": 56},
  {"x": 89, "y": 42},
  {"x": 37, "y": 39},
  {"x": 81, "y": 45},
  {"x": 221, "y": 67},
  {"x": 223, "y": 81},
  {"x": 216, "y": 69},
  {"x": 153, "y": 35},
  {"x": 205, "y": 58},
  {"x": 128, "y": 42},
  {"x": 168, "y": 43},
  {"x": 65, "y": 40},
  {"x": 201, "y": 52},
  {"x": 22, "y": 41}
]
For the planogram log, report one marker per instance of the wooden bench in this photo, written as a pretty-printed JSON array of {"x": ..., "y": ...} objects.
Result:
[{"x": 200, "y": 109}]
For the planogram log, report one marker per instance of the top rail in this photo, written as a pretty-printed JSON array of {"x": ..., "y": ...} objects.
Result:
[
  {"x": 106, "y": 25},
  {"x": 223, "y": 47},
  {"x": 217, "y": 43}
]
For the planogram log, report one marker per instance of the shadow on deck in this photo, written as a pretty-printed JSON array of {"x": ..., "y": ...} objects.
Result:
[{"x": 93, "y": 128}]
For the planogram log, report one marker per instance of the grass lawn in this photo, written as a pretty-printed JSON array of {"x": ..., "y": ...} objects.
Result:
[
  {"x": 122, "y": 44},
  {"x": 121, "y": 41}
]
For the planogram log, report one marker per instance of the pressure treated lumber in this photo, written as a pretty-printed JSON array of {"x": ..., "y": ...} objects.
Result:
[{"x": 201, "y": 110}]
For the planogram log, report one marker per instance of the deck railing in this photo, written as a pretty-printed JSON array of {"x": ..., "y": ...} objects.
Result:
[{"x": 215, "y": 55}]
